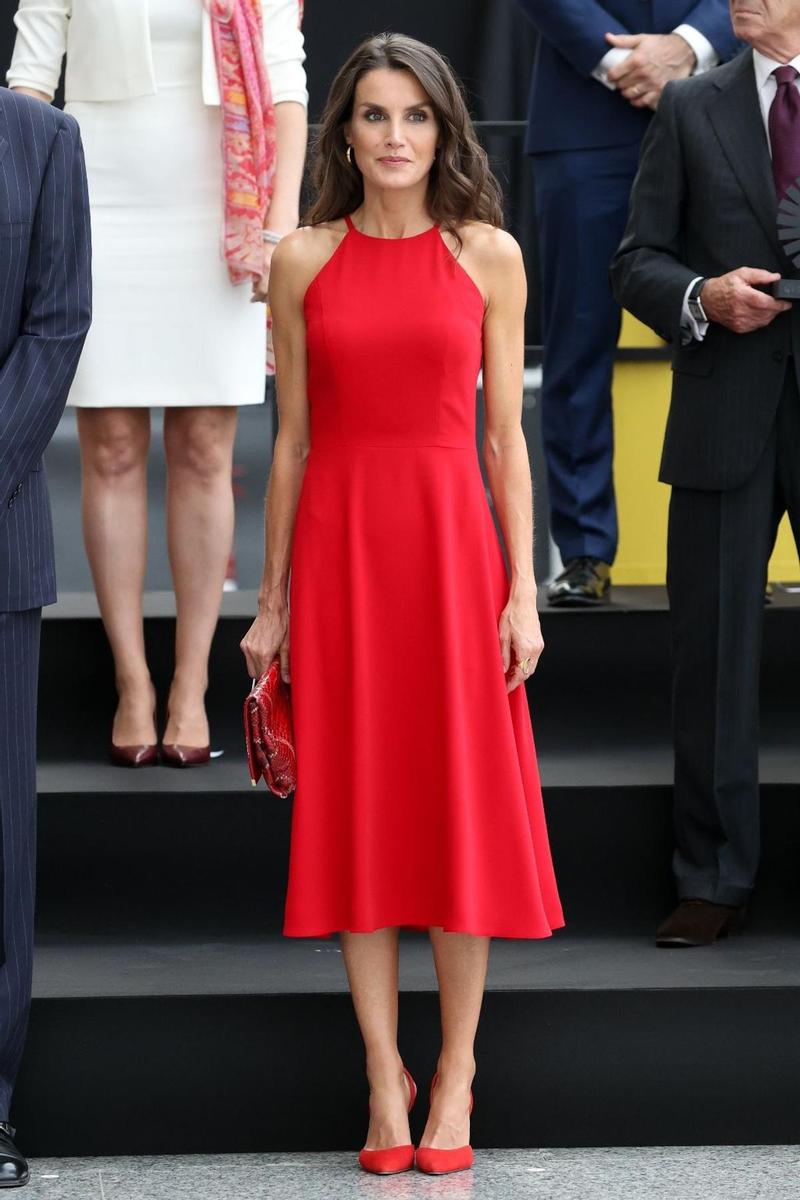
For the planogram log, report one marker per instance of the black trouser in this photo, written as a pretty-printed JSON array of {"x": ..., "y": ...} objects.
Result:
[
  {"x": 19, "y": 670},
  {"x": 718, "y": 552}
]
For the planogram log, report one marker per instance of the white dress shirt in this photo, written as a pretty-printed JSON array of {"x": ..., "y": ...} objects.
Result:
[{"x": 767, "y": 86}]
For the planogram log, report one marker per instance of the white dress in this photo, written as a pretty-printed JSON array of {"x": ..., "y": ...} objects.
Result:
[{"x": 168, "y": 327}]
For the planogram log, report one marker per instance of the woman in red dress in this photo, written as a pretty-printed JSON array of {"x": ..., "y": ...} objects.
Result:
[{"x": 405, "y": 637}]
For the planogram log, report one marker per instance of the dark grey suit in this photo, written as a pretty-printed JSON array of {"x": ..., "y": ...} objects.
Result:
[
  {"x": 704, "y": 203},
  {"x": 44, "y": 316}
]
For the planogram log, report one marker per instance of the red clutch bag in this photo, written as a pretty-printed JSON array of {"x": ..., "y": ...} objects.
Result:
[{"x": 268, "y": 732}]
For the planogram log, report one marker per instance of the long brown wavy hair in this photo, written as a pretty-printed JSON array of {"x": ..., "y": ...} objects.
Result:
[{"x": 461, "y": 186}]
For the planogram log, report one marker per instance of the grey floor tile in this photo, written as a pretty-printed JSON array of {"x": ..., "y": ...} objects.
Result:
[
  {"x": 62, "y": 1179},
  {"x": 672, "y": 1173}
]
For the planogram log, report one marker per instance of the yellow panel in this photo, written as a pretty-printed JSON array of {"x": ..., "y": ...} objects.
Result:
[
  {"x": 784, "y": 565},
  {"x": 641, "y": 401},
  {"x": 634, "y": 333}
]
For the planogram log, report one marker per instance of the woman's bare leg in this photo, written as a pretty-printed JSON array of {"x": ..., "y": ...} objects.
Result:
[
  {"x": 114, "y": 444},
  {"x": 371, "y": 961},
  {"x": 461, "y": 960},
  {"x": 199, "y": 449}
]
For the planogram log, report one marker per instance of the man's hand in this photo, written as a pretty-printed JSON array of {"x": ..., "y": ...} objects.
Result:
[
  {"x": 655, "y": 59},
  {"x": 732, "y": 300}
]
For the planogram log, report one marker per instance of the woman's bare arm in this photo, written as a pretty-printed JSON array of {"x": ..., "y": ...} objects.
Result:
[
  {"x": 297, "y": 259},
  {"x": 26, "y": 91},
  {"x": 291, "y": 137},
  {"x": 497, "y": 265}
]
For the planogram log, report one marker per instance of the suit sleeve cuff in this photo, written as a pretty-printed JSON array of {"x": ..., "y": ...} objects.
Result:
[
  {"x": 704, "y": 52},
  {"x": 612, "y": 58},
  {"x": 691, "y": 329}
]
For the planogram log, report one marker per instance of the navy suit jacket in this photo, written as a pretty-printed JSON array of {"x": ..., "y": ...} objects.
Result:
[
  {"x": 45, "y": 311},
  {"x": 568, "y": 109}
]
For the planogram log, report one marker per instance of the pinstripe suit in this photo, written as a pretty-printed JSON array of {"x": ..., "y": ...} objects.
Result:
[
  {"x": 704, "y": 203},
  {"x": 45, "y": 297}
]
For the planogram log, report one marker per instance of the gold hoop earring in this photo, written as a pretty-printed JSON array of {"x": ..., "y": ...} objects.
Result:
[{"x": 349, "y": 154}]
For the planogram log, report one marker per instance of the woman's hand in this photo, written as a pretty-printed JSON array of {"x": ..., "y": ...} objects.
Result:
[
  {"x": 266, "y": 637},
  {"x": 261, "y": 286},
  {"x": 520, "y": 637}
]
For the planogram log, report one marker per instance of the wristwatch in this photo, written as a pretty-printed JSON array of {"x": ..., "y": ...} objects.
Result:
[{"x": 694, "y": 302}]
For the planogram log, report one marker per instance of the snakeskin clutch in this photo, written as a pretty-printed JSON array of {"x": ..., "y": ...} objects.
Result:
[{"x": 268, "y": 732}]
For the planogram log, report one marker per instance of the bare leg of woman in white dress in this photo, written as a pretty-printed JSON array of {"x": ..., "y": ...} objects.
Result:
[
  {"x": 199, "y": 449},
  {"x": 114, "y": 445}
]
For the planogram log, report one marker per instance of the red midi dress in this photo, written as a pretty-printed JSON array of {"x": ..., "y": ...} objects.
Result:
[{"x": 418, "y": 800}]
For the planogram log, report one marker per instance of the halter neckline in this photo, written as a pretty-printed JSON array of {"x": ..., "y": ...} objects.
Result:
[{"x": 373, "y": 238}]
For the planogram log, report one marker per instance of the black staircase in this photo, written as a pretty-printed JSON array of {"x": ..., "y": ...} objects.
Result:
[{"x": 170, "y": 1014}]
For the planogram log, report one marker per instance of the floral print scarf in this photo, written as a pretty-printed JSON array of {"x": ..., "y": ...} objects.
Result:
[
  {"x": 248, "y": 138},
  {"x": 248, "y": 132}
]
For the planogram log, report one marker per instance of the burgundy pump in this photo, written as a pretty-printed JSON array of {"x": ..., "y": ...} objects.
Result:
[
  {"x": 134, "y": 756},
  {"x": 173, "y": 755},
  {"x": 395, "y": 1158},
  {"x": 444, "y": 1162},
  {"x": 145, "y": 755}
]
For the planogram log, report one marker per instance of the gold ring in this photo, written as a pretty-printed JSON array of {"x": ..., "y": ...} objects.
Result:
[{"x": 523, "y": 663}]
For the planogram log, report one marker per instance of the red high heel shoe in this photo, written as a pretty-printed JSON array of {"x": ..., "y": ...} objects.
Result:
[
  {"x": 396, "y": 1158},
  {"x": 444, "y": 1162}
]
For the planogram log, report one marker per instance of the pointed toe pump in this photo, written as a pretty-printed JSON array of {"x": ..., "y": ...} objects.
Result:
[
  {"x": 444, "y": 1162},
  {"x": 134, "y": 756},
  {"x": 173, "y": 755},
  {"x": 396, "y": 1158},
  {"x": 145, "y": 755}
]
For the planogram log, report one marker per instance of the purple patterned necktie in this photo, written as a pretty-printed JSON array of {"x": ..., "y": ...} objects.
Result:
[{"x": 784, "y": 130}]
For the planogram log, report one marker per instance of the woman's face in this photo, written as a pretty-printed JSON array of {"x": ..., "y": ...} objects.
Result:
[{"x": 393, "y": 129}]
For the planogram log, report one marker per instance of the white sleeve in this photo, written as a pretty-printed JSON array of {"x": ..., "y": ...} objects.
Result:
[
  {"x": 690, "y": 328},
  {"x": 40, "y": 44},
  {"x": 283, "y": 51},
  {"x": 704, "y": 52},
  {"x": 611, "y": 58}
]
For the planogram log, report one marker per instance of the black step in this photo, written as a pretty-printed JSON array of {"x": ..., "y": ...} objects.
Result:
[
  {"x": 603, "y": 680},
  {"x": 167, "y": 1001},
  {"x": 203, "y": 852},
  {"x": 157, "y": 1048}
]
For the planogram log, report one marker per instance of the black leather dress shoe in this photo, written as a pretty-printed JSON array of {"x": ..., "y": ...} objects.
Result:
[
  {"x": 13, "y": 1166},
  {"x": 585, "y": 581},
  {"x": 699, "y": 923}
]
